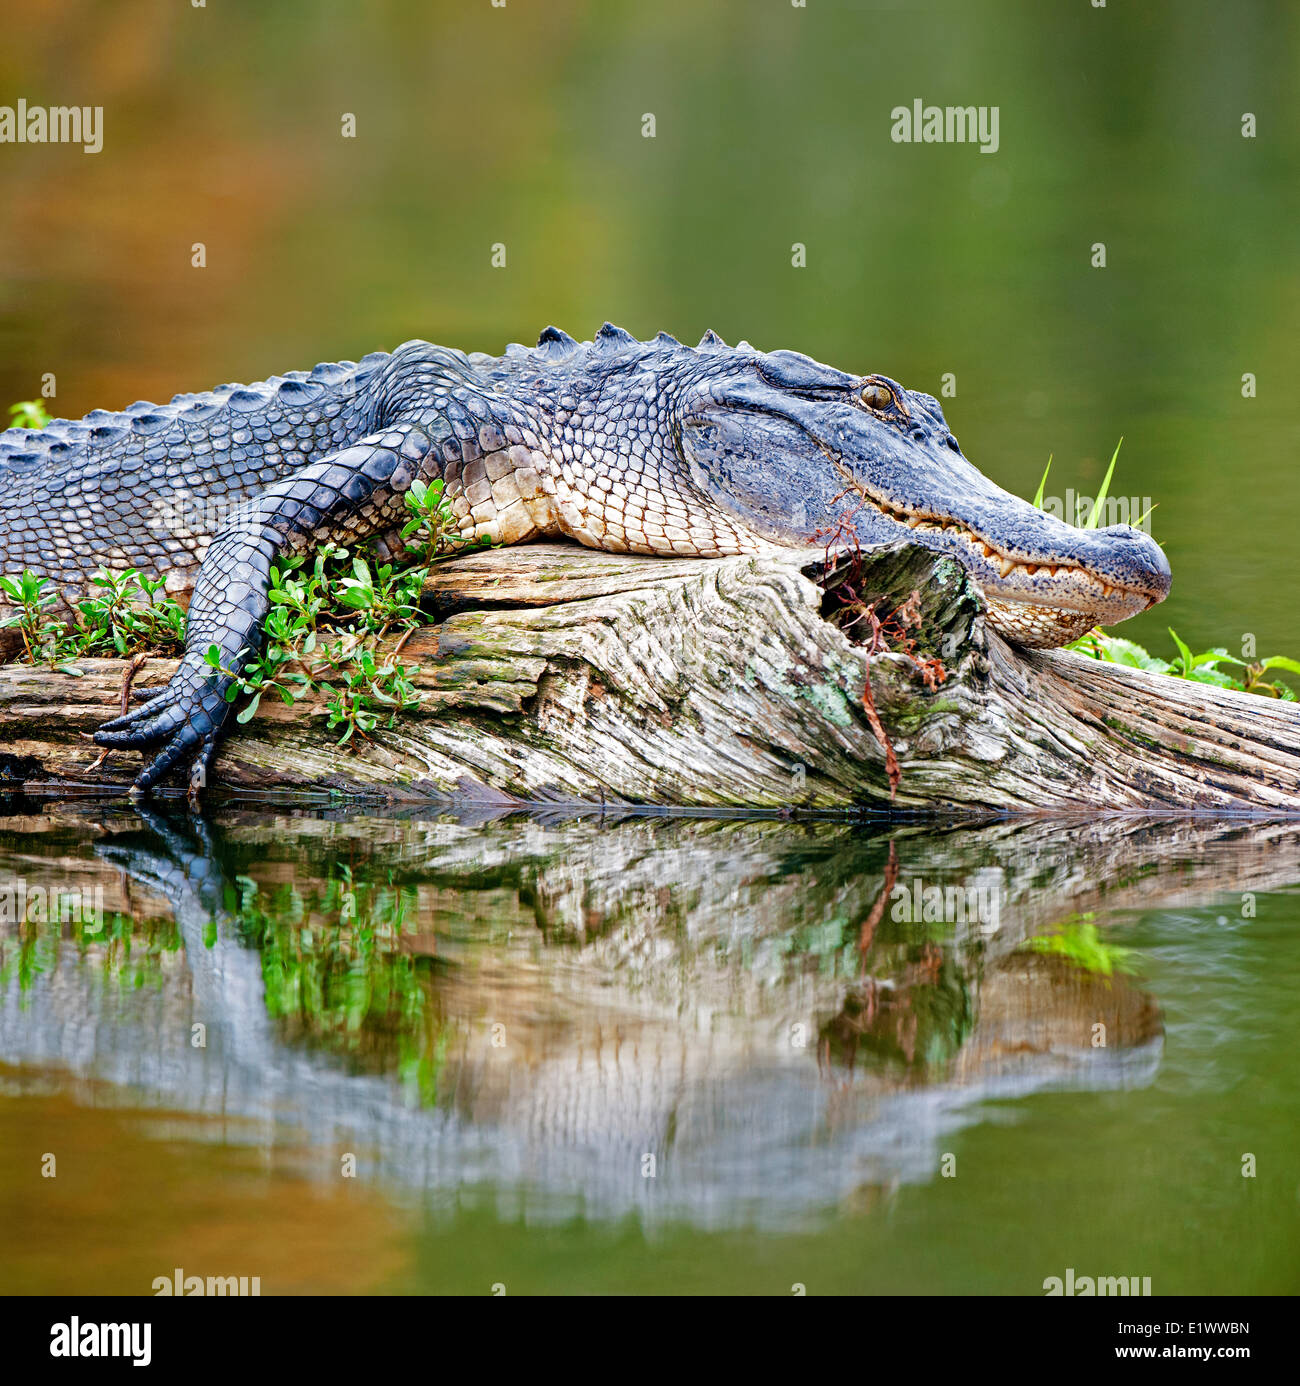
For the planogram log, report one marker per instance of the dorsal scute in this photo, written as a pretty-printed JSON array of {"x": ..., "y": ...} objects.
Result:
[
  {"x": 298, "y": 391},
  {"x": 555, "y": 344},
  {"x": 611, "y": 338}
]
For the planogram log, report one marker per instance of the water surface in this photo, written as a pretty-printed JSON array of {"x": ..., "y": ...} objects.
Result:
[{"x": 654, "y": 1054}]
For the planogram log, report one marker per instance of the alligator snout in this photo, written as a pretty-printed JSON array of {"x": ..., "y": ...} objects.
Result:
[
  {"x": 1138, "y": 561},
  {"x": 1107, "y": 576}
]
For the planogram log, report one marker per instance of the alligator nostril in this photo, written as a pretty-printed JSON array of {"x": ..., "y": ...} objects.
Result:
[{"x": 952, "y": 443}]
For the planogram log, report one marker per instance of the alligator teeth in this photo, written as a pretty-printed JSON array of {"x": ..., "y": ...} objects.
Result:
[{"x": 1004, "y": 566}]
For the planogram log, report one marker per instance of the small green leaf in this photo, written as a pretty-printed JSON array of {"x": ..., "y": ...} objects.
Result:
[{"x": 1183, "y": 651}]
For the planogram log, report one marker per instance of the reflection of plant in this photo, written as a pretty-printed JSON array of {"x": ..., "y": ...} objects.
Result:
[
  {"x": 131, "y": 952},
  {"x": 335, "y": 970},
  {"x": 1076, "y": 939}
]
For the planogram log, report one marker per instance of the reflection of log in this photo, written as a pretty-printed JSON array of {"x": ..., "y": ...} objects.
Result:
[{"x": 560, "y": 674}]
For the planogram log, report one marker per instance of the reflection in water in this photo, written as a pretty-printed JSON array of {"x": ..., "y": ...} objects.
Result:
[{"x": 524, "y": 1011}]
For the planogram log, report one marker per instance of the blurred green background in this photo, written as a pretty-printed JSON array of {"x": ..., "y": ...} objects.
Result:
[{"x": 522, "y": 125}]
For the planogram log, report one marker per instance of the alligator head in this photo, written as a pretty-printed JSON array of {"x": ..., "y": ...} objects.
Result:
[{"x": 788, "y": 446}]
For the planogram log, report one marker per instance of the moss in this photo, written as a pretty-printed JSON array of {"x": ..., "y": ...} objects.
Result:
[{"x": 1131, "y": 733}]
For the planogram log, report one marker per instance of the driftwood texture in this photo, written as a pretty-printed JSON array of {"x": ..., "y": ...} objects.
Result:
[{"x": 556, "y": 674}]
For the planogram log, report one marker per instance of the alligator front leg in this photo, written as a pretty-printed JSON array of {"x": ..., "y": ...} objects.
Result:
[{"x": 345, "y": 497}]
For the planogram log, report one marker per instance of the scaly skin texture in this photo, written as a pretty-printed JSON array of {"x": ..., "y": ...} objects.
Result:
[{"x": 643, "y": 447}]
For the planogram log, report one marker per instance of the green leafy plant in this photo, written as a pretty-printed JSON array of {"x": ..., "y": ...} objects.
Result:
[
  {"x": 29, "y": 413},
  {"x": 27, "y": 592},
  {"x": 127, "y": 614},
  {"x": 1199, "y": 668},
  {"x": 1205, "y": 667},
  {"x": 434, "y": 521},
  {"x": 330, "y": 615},
  {"x": 328, "y": 620},
  {"x": 1094, "y": 516}
]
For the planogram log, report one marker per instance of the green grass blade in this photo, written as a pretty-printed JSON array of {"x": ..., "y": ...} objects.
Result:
[
  {"x": 1105, "y": 488},
  {"x": 1038, "y": 499}
]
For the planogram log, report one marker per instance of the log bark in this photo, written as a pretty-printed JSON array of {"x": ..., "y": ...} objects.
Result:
[{"x": 556, "y": 674}]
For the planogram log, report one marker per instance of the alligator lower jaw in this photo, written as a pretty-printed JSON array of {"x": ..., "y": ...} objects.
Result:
[{"x": 1038, "y": 627}]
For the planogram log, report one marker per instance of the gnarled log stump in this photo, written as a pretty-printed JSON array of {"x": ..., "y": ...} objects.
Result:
[{"x": 559, "y": 674}]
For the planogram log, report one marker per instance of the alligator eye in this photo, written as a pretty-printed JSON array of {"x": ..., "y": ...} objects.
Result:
[{"x": 877, "y": 396}]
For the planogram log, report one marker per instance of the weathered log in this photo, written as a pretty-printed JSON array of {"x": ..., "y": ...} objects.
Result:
[{"x": 559, "y": 674}]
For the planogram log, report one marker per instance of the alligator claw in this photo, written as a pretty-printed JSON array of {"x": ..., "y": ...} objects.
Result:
[{"x": 183, "y": 717}]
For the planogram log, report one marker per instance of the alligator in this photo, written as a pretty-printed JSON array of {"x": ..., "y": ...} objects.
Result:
[{"x": 648, "y": 447}]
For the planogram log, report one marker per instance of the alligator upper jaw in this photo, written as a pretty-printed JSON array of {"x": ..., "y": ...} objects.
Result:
[{"x": 1038, "y": 600}]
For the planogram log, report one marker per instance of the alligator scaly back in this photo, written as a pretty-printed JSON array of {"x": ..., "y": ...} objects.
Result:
[{"x": 148, "y": 486}]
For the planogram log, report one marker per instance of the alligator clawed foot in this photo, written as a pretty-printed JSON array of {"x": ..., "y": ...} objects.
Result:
[{"x": 182, "y": 718}]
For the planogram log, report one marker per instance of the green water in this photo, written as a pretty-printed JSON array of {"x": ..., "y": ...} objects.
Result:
[
  {"x": 656, "y": 1054},
  {"x": 522, "y": 126}
]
